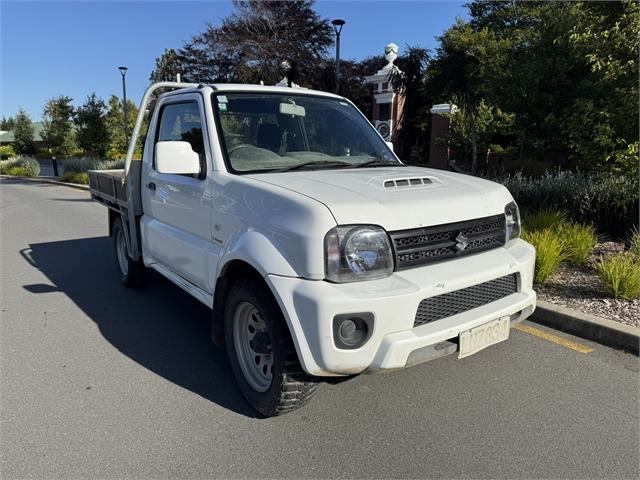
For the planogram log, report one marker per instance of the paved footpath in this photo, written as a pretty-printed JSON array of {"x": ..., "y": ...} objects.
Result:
[{"x": 100, "y": 381}]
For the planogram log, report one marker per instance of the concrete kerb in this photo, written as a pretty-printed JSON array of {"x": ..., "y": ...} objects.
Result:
[
  {"x": 52, "y": 180},
  {"x": 606, "y": 332}
]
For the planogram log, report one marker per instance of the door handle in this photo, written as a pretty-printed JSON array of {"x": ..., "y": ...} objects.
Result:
[{"x": 151, "y": 186}]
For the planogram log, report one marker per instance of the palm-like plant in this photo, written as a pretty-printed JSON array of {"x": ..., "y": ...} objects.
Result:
[{"x": 408, "y": 79}]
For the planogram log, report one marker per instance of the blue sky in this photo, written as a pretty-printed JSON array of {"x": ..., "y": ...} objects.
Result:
[{"x": 51, "y": 48}]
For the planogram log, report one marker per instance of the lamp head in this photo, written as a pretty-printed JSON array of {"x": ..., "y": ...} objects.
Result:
[
  {"x": 123, "y": 70},
  {"x": 337, "y": 25}
]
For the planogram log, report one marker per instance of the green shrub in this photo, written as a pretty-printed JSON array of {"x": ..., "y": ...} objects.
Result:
[
  {"x": 31, "y": 167},
  {"x": 634, "y": 243},
  {"x": 624, "y": 160},
  {"x": 620, "y": 276},
  {"x": 578, "y": 239},
  {"x": 75, "y": 177},
  {"x": 543, "y": 219},
  {"x": 16, "y": 171},
  {"x": 6, "y": 165},
  {"x": 20, "y": 167},
  {"x": 6, "y": 151},
  {"x": 79, "y": 165},
  {"x": 550, "y": 251},
  {"x": 607, "y": 201}
]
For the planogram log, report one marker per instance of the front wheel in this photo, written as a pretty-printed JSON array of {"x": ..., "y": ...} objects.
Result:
[
  {"x": 261, "y": 351},
  {"x": 132, "y": 274}
]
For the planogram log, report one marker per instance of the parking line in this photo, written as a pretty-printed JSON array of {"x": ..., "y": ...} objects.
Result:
[{"x": 553, "y": 338}]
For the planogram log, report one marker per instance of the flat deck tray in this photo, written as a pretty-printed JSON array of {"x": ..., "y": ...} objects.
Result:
[{"x": 108, "y": 185}]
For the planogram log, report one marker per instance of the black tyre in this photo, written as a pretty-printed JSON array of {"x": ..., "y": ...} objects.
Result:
[
  {"x": 132, "y": 274},
  {"x": 261, "y": 352}
]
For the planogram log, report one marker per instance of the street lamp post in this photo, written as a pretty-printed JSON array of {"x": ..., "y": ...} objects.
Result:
[
  {"x": 123, "y": 72},
  {"x": 337, "y": 27}
]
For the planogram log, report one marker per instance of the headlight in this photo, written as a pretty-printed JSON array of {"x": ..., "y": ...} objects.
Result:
[
  {"x": 354, "y": 253},
  {"x": 512, "y": 221}
]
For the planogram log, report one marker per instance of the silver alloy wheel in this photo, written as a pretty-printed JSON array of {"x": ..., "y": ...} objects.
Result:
[
  {"x": 122, "y": 254},
  {"x": 253, "y": 346}
]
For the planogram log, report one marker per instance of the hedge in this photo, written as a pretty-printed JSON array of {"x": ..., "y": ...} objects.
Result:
[{"x": 609, "y": 202}]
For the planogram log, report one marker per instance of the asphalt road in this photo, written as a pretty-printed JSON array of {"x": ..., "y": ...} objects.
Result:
[{"x": 100, "y": 381}]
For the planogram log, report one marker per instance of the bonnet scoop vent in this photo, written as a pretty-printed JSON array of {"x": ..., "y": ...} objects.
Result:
[{"x": 412, "y": 182}]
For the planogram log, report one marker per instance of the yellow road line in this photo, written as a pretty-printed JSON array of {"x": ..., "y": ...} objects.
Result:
[{"x": 553, "y": 338}]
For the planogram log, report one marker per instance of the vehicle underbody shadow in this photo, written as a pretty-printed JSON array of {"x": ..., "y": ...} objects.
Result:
[{"x": 161, "y": 327}]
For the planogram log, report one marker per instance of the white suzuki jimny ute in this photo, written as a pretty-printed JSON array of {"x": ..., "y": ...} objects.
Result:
[{"x": 319, "y": 252}]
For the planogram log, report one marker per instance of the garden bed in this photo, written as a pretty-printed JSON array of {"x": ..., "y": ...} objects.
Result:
[{"x": 578, "y": 287}]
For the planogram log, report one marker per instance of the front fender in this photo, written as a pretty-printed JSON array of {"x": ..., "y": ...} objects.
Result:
[{"x": 257, "y": 250}]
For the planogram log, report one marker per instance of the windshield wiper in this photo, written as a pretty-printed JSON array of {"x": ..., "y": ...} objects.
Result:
[
  {"x": 315, "y": 163},
  {"x": 378, "y": 162}
]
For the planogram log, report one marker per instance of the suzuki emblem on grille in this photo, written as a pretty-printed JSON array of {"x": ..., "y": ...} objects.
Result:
[{"x": 461, "y": 242}]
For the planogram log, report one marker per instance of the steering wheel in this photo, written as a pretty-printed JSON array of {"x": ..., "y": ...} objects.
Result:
[{"x": 238, "y": 147}]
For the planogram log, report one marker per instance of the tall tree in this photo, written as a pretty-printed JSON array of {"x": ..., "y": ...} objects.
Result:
[
  {"x": 7, "y": 124},
  {"x": 91, "y": 128},
  {"x": 541, "y": 73},
  {"x": 58, "y": 133},
  {"x": 114, "y": 121},
  {"x": 167, "y": 66},
  {"x": 251, "y": 44},
  {"x": 467, "y": 62},
  {"x": 564, "y": 73},
  {"x": 353, "y": 84},
  {"x": 23, "y": 133},
  {"x": 604, "y": 125}
]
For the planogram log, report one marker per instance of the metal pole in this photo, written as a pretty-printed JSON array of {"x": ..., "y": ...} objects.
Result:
[
  {"x": 124, "y": 107},
  {"x": 337, "y": 61},
  {"x": 338, "y": 23}
]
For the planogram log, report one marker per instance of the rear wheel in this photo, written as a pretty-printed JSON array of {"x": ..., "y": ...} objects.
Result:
[
  {"x": 132, "y": 274},
  {"x": 261, "y": 351}
]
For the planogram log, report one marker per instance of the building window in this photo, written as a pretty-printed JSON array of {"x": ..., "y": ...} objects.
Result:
[
  {"x": 385, "y": 86},
  {"x": 385, "y": 112}
]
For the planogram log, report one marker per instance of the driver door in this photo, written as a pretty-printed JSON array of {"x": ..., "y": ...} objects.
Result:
[{"x": 177, "y": 220}]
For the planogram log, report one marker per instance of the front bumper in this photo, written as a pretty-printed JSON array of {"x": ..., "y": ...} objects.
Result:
[{"x": 309, "y": 307}]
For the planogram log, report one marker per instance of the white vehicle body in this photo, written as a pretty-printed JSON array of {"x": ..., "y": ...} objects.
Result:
[{"x": 192, "y": 228}]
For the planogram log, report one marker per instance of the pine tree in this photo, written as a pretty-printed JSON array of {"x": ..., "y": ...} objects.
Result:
[
  {"x": 58, "y": 133},
  {"x": 23, "y": 133},
  {"x": 91, "y": 129}
]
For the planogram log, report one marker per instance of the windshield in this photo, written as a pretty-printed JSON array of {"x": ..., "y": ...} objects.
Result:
[{"x": 281, "y": 132}]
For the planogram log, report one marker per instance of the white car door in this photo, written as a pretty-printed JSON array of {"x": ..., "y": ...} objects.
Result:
[{"x": 177, "y": 208}]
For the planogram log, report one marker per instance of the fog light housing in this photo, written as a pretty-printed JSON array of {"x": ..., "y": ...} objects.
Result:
[{"x": 352, "y": 330}]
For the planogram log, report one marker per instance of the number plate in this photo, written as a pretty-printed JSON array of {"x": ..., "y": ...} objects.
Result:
[{"x": 476, "y": 339}]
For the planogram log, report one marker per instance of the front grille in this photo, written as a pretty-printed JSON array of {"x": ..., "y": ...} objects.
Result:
[
  {"x": 458, "y": 301},
  {"x": 420, "y": 246}
]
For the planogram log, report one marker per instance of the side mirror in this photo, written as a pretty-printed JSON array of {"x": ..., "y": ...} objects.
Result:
[
  {"x": 177, "y": 158},
  {"x": 390, "y": 145}
]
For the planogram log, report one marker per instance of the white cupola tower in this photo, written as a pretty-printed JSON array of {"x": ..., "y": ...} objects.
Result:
[{"x": 387, "y": 105}]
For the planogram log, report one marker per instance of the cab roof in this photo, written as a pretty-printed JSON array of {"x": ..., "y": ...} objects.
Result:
[{"x": 243, "y": 87}]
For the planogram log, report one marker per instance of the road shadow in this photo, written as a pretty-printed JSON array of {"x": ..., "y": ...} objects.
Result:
[
  {"x": 160, "y": 327},
  {"x": 87, "y": 200}
]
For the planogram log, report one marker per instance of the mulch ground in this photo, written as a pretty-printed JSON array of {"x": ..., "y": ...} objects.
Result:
[{"x": 578, "y": 287}]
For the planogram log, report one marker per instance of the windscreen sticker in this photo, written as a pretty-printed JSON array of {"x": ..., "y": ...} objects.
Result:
[
  {"x": 222, "y": 107},
  {"x": 222, "y": 99}
]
